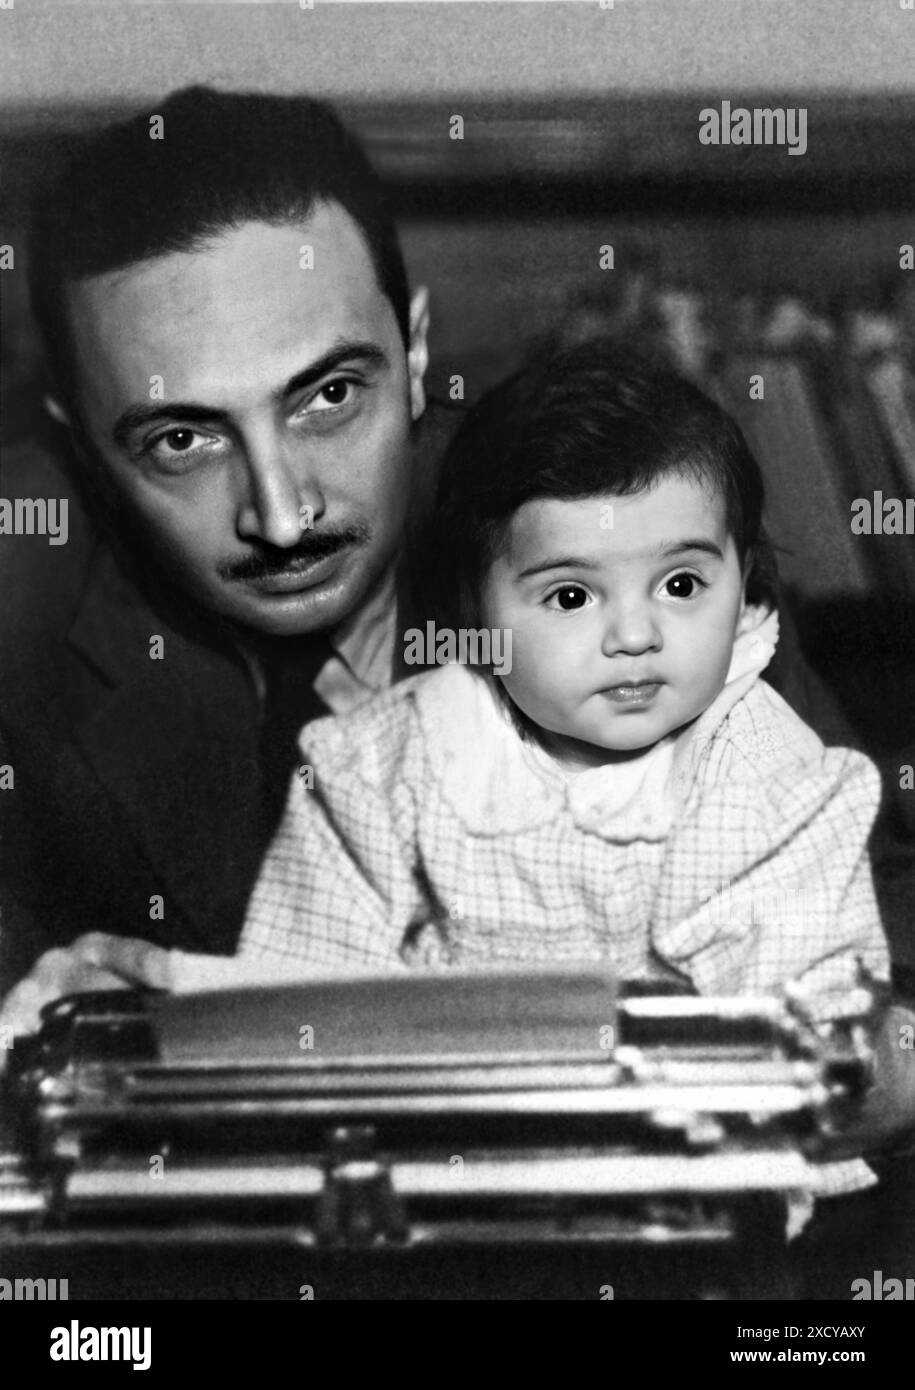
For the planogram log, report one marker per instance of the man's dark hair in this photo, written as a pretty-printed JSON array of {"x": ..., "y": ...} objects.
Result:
[
  {"x": 120, "y": 197},
  {"x": 595, "y": 420}
]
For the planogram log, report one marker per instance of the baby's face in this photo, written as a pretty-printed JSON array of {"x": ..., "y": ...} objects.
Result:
[{"x": 620, "y": 633}]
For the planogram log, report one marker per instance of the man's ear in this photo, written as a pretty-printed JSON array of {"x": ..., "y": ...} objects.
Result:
[
  {"x": 418, "y": 355},
  {"x": 61, "y": 416},
  {"x": 96, "y": 477},
  {"x": 57, "y": 411}
]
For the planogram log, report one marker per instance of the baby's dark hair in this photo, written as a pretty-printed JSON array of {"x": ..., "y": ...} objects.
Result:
[{"x": 591, "y": 421}]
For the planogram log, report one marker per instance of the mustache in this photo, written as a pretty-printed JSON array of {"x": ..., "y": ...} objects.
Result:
[{"x": 264, "y": 561}]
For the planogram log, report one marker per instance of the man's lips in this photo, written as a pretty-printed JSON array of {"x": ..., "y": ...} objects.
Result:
[{"x": 301, "y": 573}]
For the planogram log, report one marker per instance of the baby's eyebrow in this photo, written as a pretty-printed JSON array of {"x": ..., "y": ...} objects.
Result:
[
  {"x": 664, "y": 552},
  {"x": 679, "y": 547},
  {"x": 560, "y": 562}
]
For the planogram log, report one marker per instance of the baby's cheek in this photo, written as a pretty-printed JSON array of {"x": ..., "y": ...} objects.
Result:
[
  {"x": 535, "y": 686},
  {"x": 708, "y": 684},
  {"x": 526, "y": 683}
]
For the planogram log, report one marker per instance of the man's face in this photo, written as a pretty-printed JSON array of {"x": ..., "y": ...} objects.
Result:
[
  {"x": 623, "y": 633},
  {"x": 253, "y": 416}
]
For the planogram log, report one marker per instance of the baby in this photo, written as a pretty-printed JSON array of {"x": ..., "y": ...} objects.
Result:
[{"x": 622, "y": 788}]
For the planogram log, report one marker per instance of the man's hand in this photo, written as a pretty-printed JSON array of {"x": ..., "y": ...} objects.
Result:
[
  {"x": 885, "y": 1115},
  {"x": 94, "y": 961}
]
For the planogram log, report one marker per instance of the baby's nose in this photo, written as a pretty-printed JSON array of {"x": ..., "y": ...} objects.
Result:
[{"x": 630, "y": 630}]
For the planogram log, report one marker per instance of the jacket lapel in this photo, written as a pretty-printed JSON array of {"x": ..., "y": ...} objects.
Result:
[{"x": 174, "y": 743}]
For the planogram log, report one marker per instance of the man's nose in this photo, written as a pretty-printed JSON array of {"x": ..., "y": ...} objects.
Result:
[
  {"x": 280, "y": 497},
  {"x": 630, "y": 628}
]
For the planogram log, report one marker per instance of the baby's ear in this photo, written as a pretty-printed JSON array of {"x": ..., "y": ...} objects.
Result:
[{"x": 753, "y": 615}]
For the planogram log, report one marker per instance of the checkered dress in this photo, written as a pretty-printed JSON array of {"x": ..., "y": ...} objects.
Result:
[{"x": 421, "y": 830}]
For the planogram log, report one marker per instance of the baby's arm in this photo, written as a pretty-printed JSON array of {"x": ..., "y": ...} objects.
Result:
[
  {"x": 767, "y": 880},
  {"x": 794, "y": 905},
  {"x": 193, "y": 973}
]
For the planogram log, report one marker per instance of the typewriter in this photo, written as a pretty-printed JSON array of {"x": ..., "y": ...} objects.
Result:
[{"x": 493, "y": 1135}]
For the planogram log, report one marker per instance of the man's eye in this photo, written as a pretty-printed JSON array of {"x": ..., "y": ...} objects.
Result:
[
  {"x": 568, "y": 598},
  {"x": 332, "y": 395},
  {"x": 179, "y": 440},
  {"x": 177, "y": 446},
  {"x": 684, "y": 585}
]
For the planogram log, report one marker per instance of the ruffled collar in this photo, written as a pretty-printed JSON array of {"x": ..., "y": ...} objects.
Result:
[{"x": 498, "y": 784}]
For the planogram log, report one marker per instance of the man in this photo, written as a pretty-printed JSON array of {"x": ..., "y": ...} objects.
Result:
[{"x": 240, "y": 370}]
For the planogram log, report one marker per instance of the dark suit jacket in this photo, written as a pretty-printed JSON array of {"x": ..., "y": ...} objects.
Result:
[
  {"x": 133, "y": 779},
  {"x": 139, "y": 779}
]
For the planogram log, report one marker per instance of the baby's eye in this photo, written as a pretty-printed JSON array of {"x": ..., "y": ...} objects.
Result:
[
  {"x": 683, "y": 585},
  {"x": 568, "y": 598}
]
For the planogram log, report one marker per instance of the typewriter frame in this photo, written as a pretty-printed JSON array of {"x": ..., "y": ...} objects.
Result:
[{"x": 675, "y": 1151}]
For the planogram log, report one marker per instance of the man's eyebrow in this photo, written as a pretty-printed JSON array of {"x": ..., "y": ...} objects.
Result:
[
  {"x": 136, "y": 417},
  {"x": 664, "y": 552},
  {"x": 367, "y": 353}
]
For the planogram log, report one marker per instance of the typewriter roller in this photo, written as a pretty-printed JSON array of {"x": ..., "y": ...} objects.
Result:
[{"x": 402, "y": 1116}]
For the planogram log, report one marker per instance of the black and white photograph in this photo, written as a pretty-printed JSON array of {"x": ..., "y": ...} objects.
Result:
[{"x": 457, "y": 666}]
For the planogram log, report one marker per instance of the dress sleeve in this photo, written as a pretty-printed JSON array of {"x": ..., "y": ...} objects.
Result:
[
  {"x": 339, "y": 886},
  {"x": 768, "y": 882}
]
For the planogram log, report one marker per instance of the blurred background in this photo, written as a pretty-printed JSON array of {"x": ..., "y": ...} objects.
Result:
[{"x": 581, "y": 131}]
